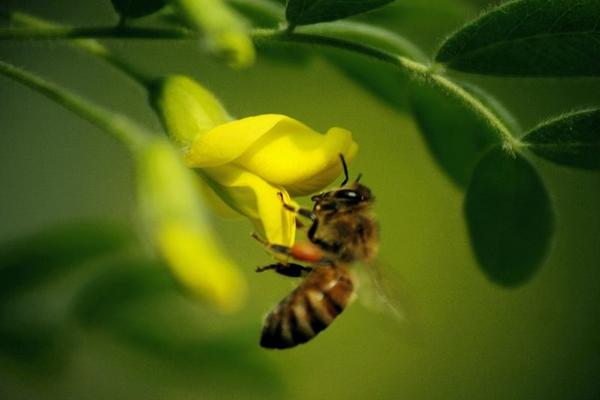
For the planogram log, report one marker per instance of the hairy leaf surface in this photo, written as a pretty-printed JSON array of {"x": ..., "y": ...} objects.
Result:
[
  {"x": 302, "y": 12},
  {"x": 529, "y": 38},
  {"x": 572, "y": 140}
]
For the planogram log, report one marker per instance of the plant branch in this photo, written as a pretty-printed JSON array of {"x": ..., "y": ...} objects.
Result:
[
  {"x": 412, "y": 68},
  {"x": 107, "y": 32},
  {"x": 90, "y": 46},
  {"x": 117, "y": 125}
]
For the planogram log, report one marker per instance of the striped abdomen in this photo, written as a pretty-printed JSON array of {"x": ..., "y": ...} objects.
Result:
[{"x": 309, "y": 309}]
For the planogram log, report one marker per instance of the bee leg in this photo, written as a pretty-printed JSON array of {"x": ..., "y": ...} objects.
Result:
[
  {"x": 305, "y": 212},
  {"x": 305, "y": 251},
  {"x": 273, "y": 248},
  {"x": 290, "y": 269}
]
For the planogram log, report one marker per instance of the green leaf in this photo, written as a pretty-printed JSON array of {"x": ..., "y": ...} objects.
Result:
[
  {"x": 369, "y": 35},
  {"x": 303, "y": 12},
  {"x": 31, "y": 260},
  {"x": 529, "y": 38},
  {"x": 456, "y": 135},
  {"x": 137, "y": 8},
  {"x": 572, "y": 139},
  {"x": 509, "y": 217}
]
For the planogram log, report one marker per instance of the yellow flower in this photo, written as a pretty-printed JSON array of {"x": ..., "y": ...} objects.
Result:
[{"x": 248, "y": 162}]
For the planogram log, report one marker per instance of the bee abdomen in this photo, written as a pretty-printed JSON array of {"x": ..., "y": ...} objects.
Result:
[{"x": 309, "y": 309}]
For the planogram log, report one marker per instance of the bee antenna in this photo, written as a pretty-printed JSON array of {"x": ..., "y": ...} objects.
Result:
[
  {"x": 345, "y": 169},
  {"x": 358, "y": 178}
]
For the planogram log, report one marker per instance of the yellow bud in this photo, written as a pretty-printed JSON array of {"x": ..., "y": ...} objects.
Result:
[
  {"x": 201, "y": 267},
  {"x": 179, "y": 230},
  {"x": 225, "y": 31},
  {"x": 186, "y": 108}
]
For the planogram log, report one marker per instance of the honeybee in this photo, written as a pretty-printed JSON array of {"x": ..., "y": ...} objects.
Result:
[{"x": 342, "y": 231}]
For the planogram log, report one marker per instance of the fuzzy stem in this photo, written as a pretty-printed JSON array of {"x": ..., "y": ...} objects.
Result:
[
  {"x": 408, "y": 66},
  {"x": 88, "y": 45},
  {"x": 115, "y": 32},
  {"x": 412, "y": 68}
]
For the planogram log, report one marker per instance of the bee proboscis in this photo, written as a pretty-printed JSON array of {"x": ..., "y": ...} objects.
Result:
[{"x": 342, "y": 231}]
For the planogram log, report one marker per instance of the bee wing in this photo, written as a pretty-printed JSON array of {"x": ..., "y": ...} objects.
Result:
[{"x": 383, "y": 289}]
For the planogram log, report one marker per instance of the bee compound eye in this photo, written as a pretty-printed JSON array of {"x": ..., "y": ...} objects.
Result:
[{"x": 351, "y": 195}]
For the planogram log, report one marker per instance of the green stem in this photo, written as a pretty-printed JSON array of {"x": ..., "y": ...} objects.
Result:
[
  {"x": 115, "y": 32},
  {"x": 375, "y": 36},
  {"x": 412, "y": 68},
  {"x": 88, "y": 45},
  {"x": 117, "y": 125},
  {"x": 93, "y": 47}
]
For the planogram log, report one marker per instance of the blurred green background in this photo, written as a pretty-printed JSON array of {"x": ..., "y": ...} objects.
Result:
[{"x": 471, "y": 339}]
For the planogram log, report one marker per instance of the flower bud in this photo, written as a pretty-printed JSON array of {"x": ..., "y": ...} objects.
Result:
[
  {"x": 186, "y": 108},
  {"x": 176, "y": 223},
  {"x": 225, "y": 31}
]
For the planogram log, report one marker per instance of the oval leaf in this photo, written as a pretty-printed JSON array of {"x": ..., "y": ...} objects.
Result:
[
  {"x": 454, "y": 133},
  {"x": 370, "y": 35},
  {"x": 573, "y": 140},
  {"x": 529, "y": 38},
  {"x": 509, "y": 217},
  {"x": 137, "y": 8},
  {"x": 302, "y": 12}
]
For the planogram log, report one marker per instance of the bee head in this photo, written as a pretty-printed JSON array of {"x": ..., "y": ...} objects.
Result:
[{"x": 347, "y": 196}]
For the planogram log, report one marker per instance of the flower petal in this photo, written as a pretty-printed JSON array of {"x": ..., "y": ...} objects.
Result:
[
  {"x": 256, "y": 199},
  {"x": 303, "y": 162},
  {"x": 228, "y": 141},
  {"x": 277, "y": 148}
]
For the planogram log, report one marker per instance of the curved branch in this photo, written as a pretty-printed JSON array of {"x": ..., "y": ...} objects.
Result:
[{"x": 118, "y": 126}]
